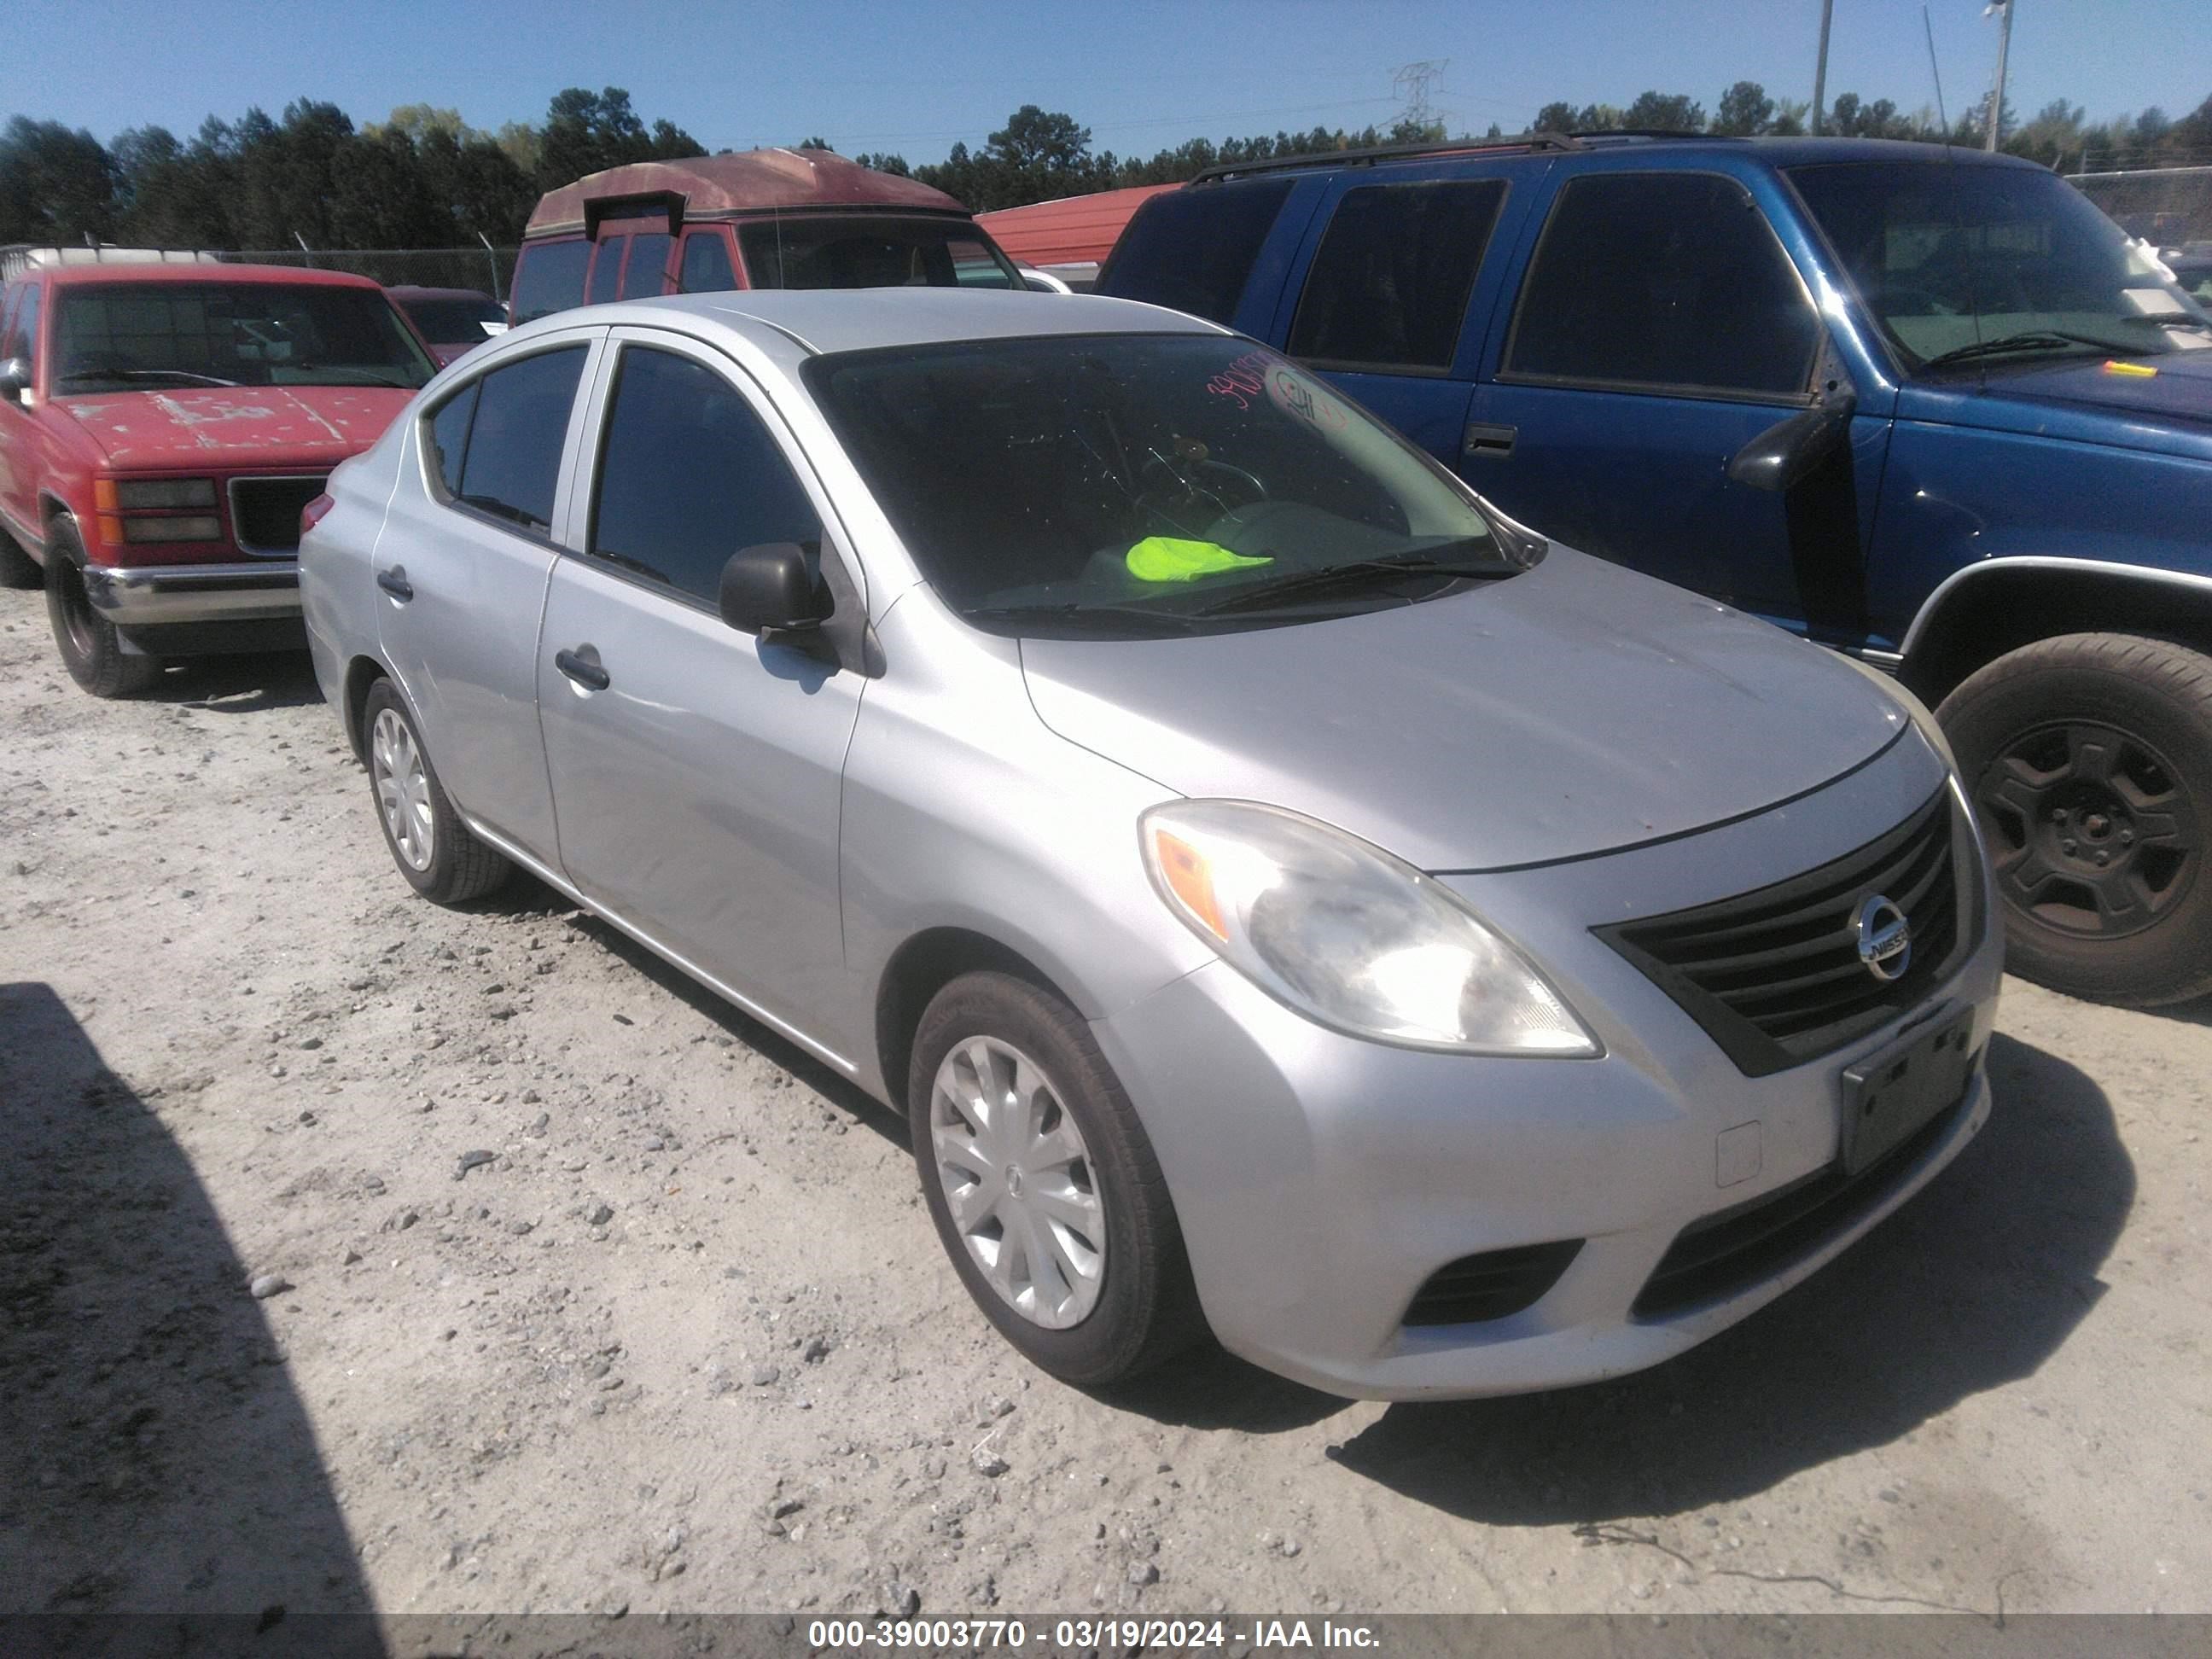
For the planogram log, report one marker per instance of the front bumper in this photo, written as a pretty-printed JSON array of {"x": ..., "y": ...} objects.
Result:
[
  {"x": 161, "y": 596},
  {"x": 1320, "y": 1180}
]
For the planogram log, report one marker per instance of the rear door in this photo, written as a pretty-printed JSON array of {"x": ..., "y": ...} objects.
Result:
[
  {"x": 461, "y": 568},
  {"x": 1659, "y": 325}
]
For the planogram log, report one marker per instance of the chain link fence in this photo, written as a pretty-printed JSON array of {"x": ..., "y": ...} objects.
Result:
[
  {"x": 488, "y": 269},
  {"x": 2169, "y": 207}
]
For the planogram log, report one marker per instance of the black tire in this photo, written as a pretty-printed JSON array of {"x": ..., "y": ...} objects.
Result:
[
  {"x": 455, "y": 867},
  {"x": 2089, "y": 760},
  {"x": 17, "y": 567},
  {"x": 90, "y": 647},
  {"x": 1146, "y": 1309}
]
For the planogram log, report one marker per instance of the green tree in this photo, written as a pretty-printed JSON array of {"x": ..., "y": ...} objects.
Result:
[
  {"x": 1666, "y": 111},
  {"x": 57, "y": 184},
  {"x": 1554, "y": 117},
  {"x": 1744, "y": 109}
]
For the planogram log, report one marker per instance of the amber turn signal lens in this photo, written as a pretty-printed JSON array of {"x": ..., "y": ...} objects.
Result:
[{"x": 1184, "y": 870}]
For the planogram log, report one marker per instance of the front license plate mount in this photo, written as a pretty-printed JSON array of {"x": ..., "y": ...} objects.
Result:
[{"x": 1890, "y": 1095}]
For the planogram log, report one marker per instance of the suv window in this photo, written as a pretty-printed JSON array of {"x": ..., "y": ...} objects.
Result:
[
  {"x": 550, "y": 278},
  {"x": 1191, "y": 249},
  {"x": 23, "y": 329},
  {"x": 1390, "y": 281},
  {"x": 606, "y": 272},
  {"x": 1664, "y": 282},
  {"x": 509, "y": 441},
  {"x": 706, "y": 264},
  {"x": 689, "y": 474},
  {"x": 648, "y": 264}
]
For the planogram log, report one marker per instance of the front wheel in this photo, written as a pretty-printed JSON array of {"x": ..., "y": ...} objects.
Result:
[
  {"x": 90, "y": 647},
  {"x": 1044, "y": 1186},
  {"x": 2089, "y": 760}
]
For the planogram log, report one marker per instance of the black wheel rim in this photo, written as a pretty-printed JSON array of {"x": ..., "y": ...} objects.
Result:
[
  {"x": 2090, "y": 829},
  {"x": 77, "y": 615}
]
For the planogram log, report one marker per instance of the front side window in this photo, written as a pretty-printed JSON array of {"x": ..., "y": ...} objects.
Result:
[
  {"x": 128, "y": 336},
  {"x": 509, "y": 437},
  {"x": 606, "y": 270},
  {"x": 1132, "y": 484},
  {"x": 868, "y": 250},
  {"x": 549, "y": 278},
  {"x": 1985, "y": 264},
  {"x": 1390, "y": 281},
  {"x": 706, "y": 264},
  {"x": 1664, "y": 282},
  {"x": 689, "y": 475},
  {"x": 648, "y": 264},
  {"x": 1192, "y": 250}
]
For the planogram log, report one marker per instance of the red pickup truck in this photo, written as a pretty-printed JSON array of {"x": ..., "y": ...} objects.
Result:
[{"x": 162, "y": 428}]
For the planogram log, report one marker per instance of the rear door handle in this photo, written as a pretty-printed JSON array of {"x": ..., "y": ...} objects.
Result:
[
  {"x": 586, "y": 672},
  {"x": 394, "y": 581},
  {"x": 1496, "y": 441}
]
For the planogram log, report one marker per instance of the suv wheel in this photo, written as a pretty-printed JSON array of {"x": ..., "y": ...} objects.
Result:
[
  {"x": 17, "y": 567},
  {"x": 1042, "y": 1185},
  {"x": 434, "y": 849},
  {"x": 90, "y": 647},
  {"x": 2089, "y": 759}
]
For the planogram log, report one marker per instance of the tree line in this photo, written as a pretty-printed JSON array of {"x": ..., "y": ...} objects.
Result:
[{"x": 423, "y": 178}]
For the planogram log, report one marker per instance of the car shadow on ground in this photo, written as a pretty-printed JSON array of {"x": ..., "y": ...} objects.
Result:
[
  {"x": 157, "y": 1458},
  {"x": 1974, "y": 1284},
  {"x": 245, "y": 684}
]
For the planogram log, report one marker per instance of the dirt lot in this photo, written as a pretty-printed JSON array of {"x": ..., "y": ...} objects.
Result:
[{"x": 686, "y": 1339}]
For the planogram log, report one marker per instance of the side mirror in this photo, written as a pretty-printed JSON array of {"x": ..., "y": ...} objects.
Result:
[
  {"x": 1789, "y": 451},
  {"x": 15, "y": 379},
  {"x": 767, "y": 589}
]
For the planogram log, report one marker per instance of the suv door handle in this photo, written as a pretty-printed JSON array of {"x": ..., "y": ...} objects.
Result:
[
  {"x": 1496, "y": 441},
  {"x": 586, "y": 672},
  {"x": 394, "y": 581}
]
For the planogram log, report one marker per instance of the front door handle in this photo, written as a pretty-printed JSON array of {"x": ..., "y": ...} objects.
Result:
[
  {"x": 394, "y": 581},
  {"x": 586, "y": 672},
  {"x": 1495, "y": 441}
]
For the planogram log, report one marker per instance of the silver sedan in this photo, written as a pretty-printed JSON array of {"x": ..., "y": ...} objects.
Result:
[{"x": 1285, "y": 896}]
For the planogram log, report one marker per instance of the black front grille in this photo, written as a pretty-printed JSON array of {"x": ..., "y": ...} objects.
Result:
[
  {"x": 1716, "y": 1258},
  {"x": 264, "y": 513},
  {"x": 1490, "y": 1285},
  {"x": 1774, "y": 975}
]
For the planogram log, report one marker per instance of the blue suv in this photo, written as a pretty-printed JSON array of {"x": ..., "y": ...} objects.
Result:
[{"x": 1928, "y": 407}]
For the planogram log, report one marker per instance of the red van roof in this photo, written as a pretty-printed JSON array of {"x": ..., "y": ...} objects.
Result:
[
  {"x": 1072, "y": 230},
  {"x": 754, "y": 180}
]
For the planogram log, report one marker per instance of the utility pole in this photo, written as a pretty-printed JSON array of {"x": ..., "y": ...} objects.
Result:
[
  {"x": 1820, "y": 73},
  {"x": 1997, "y": 95}
]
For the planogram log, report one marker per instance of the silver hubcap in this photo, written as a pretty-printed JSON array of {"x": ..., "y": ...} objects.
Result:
[
  {"x": 1019, "y": 1182},
  {"x": 403, "y": 787}
]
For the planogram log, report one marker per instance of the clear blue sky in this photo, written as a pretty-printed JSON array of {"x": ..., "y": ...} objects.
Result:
[{"x": 868, "y": 75}]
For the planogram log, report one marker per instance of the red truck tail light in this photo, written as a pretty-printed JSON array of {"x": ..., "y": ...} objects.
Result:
[{"x": 315, "y": 511}]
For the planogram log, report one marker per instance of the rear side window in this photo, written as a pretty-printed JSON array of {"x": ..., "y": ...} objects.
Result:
[
  {"x": 1390, "y": 283},
  {"x": 510, "y": 462},
  {"x": 648, "y": 264},
  {"x": 1664, "y": 282},
  {"x": 688, "y": 476},
  {"x": 606, "y": 272},
  {"x": 706, "y": 264},
  {"x": 549, "y": 278},
  {"x": 1193, "y": 249}
]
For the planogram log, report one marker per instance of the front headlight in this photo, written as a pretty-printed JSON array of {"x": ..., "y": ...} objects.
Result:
[
  {"x": 165, "y": 492},
  {"x": 1349, "y": 936}
]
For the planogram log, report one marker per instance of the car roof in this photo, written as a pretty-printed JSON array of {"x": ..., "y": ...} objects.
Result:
[
  {"x": 861, "y": 319},
  {"x": 409, "y": 291},
  {"x": 79, "y": 276},
  {"x": 708, "y": 187}
]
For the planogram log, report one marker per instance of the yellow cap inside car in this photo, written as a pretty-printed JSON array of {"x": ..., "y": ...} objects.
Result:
[{"x": 1170, "y": 559}]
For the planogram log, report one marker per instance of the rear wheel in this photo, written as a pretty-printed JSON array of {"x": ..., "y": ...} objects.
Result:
[
  {"x": 17, "y": 567},
  {"x": 434, "y": 849},
  {"x": 2089, "y": 759},
  {"x": 90, "y": 647}
]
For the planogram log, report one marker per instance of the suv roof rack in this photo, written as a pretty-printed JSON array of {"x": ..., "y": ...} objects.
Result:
[
  {"x": 18, "y": 257},
  {"x": 1372, "y": 154},
  {"x": 1584, "y": 136}
]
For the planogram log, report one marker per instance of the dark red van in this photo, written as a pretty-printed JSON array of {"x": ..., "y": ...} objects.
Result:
[{"x": 764, "y": 218}]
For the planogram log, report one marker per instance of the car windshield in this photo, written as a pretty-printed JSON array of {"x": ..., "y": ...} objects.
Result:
[
  {"x": 1129, "y": 484},
  {"x": 871, "y": 250},
  {"x": 1983, "y": 265},
  {"x": 127, "y": 337},
  {"x": 450, "y": 320}
]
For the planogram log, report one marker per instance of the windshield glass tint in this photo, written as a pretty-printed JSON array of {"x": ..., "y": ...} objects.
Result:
[
  {"x": 1090, "y": 482},
  {"x": 870, "y": 251},
  {"x": 127, "y": 337},
  {"x": 450, "y": 321},
  {"x": 1947, "y": 257}
]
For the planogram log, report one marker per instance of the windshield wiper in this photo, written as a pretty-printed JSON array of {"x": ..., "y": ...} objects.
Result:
[
  {"x": 148, "y": 375},
  {"x": 1353, "y": 575},
  {"x": 2033, "y": 339},
  {"x": 1077, "y": 610}
]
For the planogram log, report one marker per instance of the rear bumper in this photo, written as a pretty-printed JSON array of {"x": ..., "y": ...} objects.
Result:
[{"x": 160, "y": 596}]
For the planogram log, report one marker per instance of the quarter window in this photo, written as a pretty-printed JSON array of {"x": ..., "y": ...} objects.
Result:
[
  {"x": 648, "y": 263},
  {"x": 1663, "y": 283},
  {"x": 449, "y": 436},
  {"x": 1390, "y": 282},
  {"x": 706, "y": 264},
  {"x": 516, "y": 424},
  {"x": 689, "y": 474}
]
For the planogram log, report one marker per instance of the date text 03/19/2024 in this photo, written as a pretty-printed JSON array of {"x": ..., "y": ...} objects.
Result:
[{"x": 1079, "y": 1635}]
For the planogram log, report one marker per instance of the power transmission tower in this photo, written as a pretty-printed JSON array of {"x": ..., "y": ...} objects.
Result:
[{"x": 1411, "y": 84}]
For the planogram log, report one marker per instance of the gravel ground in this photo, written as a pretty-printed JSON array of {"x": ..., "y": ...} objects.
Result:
[{"x": 358, "y": 1254}]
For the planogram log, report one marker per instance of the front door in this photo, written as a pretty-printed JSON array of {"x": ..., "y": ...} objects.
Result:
[
  {"x": 1659, "y": 327},
  {"x": 697, "y": 770}
]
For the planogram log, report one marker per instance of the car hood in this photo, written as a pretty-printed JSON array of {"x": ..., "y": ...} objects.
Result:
[
  {"x": 231, "y": 425},
  {"x": 1571, "y": 709},
  {"x": 2179, "y": 392}
]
